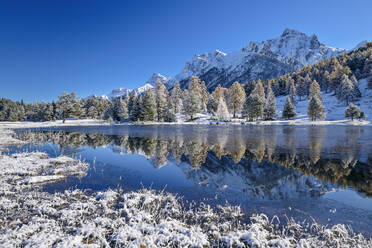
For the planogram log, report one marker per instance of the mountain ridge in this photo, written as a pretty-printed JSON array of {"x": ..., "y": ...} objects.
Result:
[{"x": 264, "y": 60}]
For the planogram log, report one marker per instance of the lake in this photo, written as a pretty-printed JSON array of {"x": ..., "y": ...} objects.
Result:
[{"x": 321, "y": 173}]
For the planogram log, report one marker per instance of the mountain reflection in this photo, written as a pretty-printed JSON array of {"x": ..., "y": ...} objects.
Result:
[{"x": 275, "y": 162}]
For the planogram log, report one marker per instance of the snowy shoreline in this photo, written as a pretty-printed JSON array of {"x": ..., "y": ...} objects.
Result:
[{"x": 33, "y": 218}]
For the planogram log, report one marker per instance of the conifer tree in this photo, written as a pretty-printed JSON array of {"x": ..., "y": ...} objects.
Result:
[
  {"x": 204, "y": 96},
  {"x": 176, "y": 96},
  {"x": 171, "y": 116},
  {"x": 67, "y": 105},
  {"x": 149, "y": 107},
  {"x": 289, "y": 110},
  {"x": 314, "y": 90},
  {"x": 92, "y": 112},
  {"x": 222, "y": 111},
  {"x": 212, "y": 104},
  {"x": 161, "y": 100},
  {"x": 301, "y": 87},
  {"x": 121, "y": 109},
  {"x": 352, "y": 112},
  {"x": 315, "y": 109},
  {"x": 292, "y": 90},
  {"x": 270, "y": 105},
  {"x": 236, "y": 98},
  {"x": 193, "y": 102},
  {"x": 348, "y": 90},
  {"x": 132, "y": 107}
]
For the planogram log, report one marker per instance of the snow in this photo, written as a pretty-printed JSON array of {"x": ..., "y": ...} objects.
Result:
[
  {"x": 148, "y": 85},
  {"x": 30, "y": 217},
  {"x": 292, "y": 50}
]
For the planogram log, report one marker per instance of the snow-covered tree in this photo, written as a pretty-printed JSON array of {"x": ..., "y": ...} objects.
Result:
[
  {"x": 315, "y": 109},
  {"x": 352, "y": 112},
  {"x": 289, "y": 111},
  {"x": 222, "y": 112},
  {"x": 212, "y": 104},
  {"x": 92, "y": 112},
  {"x": 67, "y": 105},
  {"x": 348, "y": 90},
  {"x": 132, "y": 107},
  {"x": 171, "y": 115},
  {"x": 253, "y": 107},
  {"x": 161, "y": 100},
  {"x": 314, "y": 90},
  {"x": 270, "y": 105},
  {"x": 292, "y": 90},
  {"x": 236, "y": 98},
  {"x": 204, "y": 96},
  {"x": 149, "y": 107},
  {"x": 120, "y": 109},
  {"x": 176, "y": 96},
  {"x": 192, "y": 98}
]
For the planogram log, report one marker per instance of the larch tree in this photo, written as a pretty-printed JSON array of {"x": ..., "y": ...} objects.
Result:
[
  {"x": 193, "y": 101},
  {"x": 236, "y": 98},
  {"x": 270, "y": 105},
  {"x": 289, "y": 111}
]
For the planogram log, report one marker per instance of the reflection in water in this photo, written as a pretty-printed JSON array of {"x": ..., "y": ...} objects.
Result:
[{"x": 264, "y": 162}]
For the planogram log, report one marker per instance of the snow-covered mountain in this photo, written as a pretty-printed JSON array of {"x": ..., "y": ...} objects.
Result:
[
  {"x": 148, "y": 85},
  {"x": 259, "y": 60}
]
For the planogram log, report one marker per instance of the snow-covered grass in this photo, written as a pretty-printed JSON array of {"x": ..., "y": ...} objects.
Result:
[{"x": 30, "y": 217}]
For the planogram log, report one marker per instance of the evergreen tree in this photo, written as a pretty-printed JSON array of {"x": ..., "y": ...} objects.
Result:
[
  {"x": 253, "y": 107},
  {"x": 314, "y": 90},
  {"x": 352, "y": 112},
  {"x": 171, "y": 116},
  {"x": 315, "y": 109},
  {"x": 212, "y": 104},
  {"x": 67, "y": 105},
  {"x": 348, "y": 90},
  {"x": 236, "y": 98},
  {"x": 222, "y": 111},
  {"x": 92, "y": 112},
  {"x": 121, "y": 109},
  {"x": 132, "y": 107},
  {"x": 149, "y": 107},
  {"x": 204, "y": 96},
  {"x": 161, "y": 100},
  {"x": 270, "y": 105},
  {"x": 176, "y": 96},
  {"x": 301, "y": 87},
  {"x": 292, "y": 90},
  {"x": 289, "y": 110}
]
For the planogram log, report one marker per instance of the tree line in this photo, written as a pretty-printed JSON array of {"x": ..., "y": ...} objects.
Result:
[{"x": 252, "y": 101}]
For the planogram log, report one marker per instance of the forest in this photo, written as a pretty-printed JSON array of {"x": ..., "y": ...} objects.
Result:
[{"x": 251, "y": 100}]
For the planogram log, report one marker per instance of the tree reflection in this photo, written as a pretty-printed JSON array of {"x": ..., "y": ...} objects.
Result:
[{"x": 262, "y": 155}]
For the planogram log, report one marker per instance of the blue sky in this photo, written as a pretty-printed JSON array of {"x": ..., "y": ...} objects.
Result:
[{"x": 89, "y": 46}]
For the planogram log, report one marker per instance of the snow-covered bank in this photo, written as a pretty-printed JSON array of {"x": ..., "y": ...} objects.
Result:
[{"x": 74, "y": 218}]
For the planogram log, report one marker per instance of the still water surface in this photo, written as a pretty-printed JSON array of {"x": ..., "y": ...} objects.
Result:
[{"x": 320, "y": 172}]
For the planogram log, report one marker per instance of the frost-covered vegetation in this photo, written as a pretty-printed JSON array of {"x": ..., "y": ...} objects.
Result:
[
  {"x": 255, "y": 100},
  {"x": 113, "y": 218}
]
